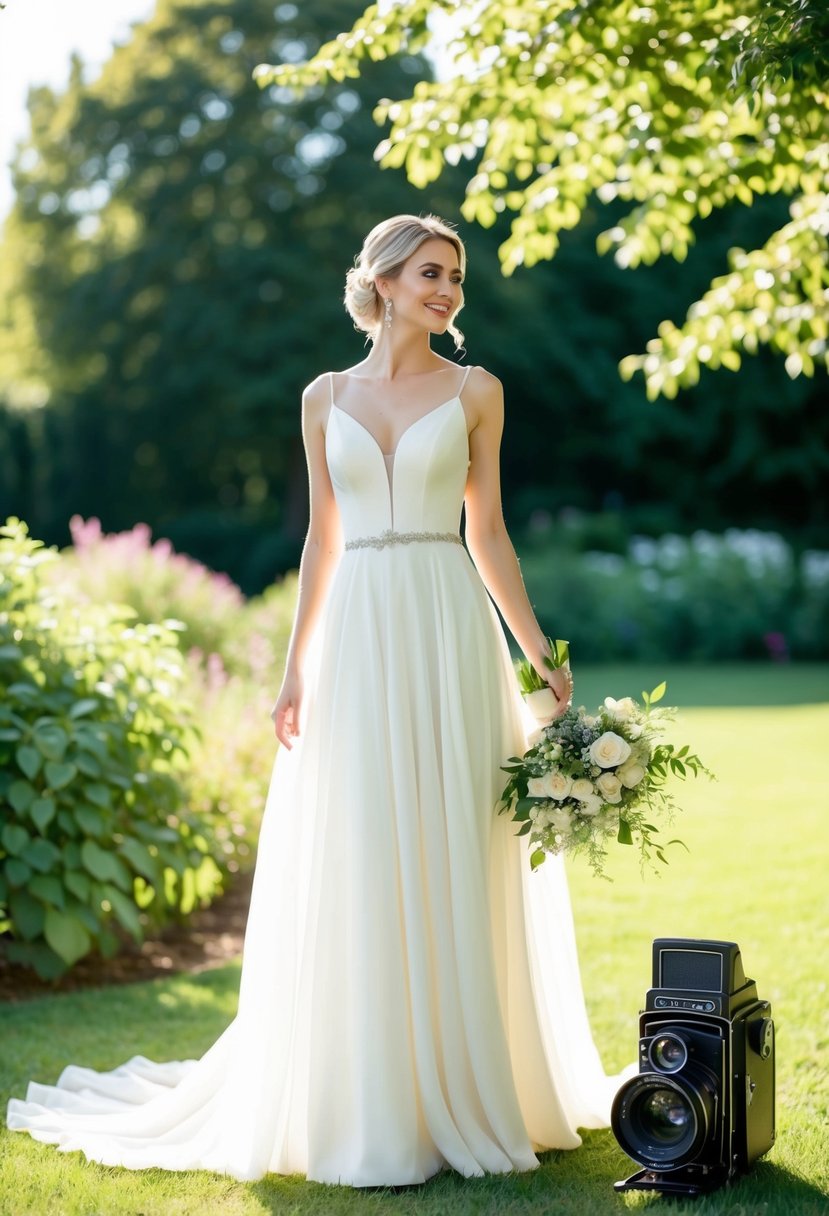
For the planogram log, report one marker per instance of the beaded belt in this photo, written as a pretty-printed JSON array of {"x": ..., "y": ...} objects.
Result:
[{"x": 390, "y": 537}]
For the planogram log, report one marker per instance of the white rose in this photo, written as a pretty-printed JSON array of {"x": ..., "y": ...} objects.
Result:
[
  {"x": 610, "y": 787},
  {"x": 591, "y": 805},
  {"x": 620, "y": 709},
  {"x": 558, "y": 785},
  {"x": 609, "y": 750},
  {"x": 631, "y": 773},
  {"x": 537, "y": 788},
  {"x": 582, "y": 788}
]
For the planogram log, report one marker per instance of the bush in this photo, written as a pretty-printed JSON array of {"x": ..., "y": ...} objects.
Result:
[
  {"x": 742, "y": 595},
  {"x": 97, "y": 840},
  {"x": 127, "y": 568}
]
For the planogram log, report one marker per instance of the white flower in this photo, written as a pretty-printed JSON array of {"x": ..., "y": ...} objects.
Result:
[
  {"x": 558, "y": 785},
  {"x": 610, "y": 787},
  {"x": 634, "y": 730},
  {"x": 551, "y": 785},
  {"x": 591, "y": 805},
  {"x": 631, "y": 773},
  {"x": 582, "y": 788},
  {"x": 560, "y": 819},
  {"x": 620, "y": 709},
  {"x": 609, "y": 750}
]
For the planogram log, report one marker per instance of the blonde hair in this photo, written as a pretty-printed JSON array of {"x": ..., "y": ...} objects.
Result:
[{"x": 385, "y": 250}]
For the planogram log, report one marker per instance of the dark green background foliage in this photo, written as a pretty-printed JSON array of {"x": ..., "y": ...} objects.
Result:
[{"x": 172, "y": 276}]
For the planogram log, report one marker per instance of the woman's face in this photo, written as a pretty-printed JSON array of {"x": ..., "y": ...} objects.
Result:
[{"x": 428, "y": 291}]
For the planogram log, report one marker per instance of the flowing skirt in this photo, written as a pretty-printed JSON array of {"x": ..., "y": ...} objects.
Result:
[{"x": 410, "y": 993}]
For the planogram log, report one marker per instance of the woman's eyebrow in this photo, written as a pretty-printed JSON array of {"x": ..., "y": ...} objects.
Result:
[{"x": 438, "y": 266}]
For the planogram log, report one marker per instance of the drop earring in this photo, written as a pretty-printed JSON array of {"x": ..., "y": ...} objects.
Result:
[{"x": 388, "y": 312}]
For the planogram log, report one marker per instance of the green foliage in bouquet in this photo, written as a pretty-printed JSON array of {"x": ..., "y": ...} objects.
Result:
[
  {"x": 529, "y": 679},
  {"x": 96, "y": 838},
  {"x": 588, "y": 778}
]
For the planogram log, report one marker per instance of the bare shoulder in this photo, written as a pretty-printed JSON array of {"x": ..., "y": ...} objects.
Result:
[
  {"x": 316, "y": 397},
  {"x": 485, "y": 396}
]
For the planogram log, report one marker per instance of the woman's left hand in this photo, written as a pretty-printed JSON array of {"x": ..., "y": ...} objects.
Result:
[{"x": 561, "y": 682}]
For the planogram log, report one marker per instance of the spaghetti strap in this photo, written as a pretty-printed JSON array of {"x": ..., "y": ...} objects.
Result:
[
  {"x": 463, "y": 382},
  {"x": 331, "y": 385}
]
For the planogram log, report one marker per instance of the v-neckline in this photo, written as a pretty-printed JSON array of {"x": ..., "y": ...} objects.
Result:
[{"x": 391, "y": 455}]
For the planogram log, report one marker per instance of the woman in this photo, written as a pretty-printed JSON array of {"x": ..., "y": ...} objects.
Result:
[{"x": 410, "y": 995}]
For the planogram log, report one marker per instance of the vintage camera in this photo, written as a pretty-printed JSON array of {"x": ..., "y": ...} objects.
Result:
[{"x": 701, "y": 1108}]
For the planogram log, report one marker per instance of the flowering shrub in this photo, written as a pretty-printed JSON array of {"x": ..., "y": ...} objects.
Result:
[
  {"x": 154, "y": 580},
  {"x": 97, "y": 837},
  {"x": 742, "y": 594}
]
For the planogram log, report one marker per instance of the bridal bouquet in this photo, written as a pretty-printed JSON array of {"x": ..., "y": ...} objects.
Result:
[{"x": 587, "y": 778}]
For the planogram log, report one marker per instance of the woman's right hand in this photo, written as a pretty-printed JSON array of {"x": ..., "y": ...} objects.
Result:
[{"x": 286, "y": 710}]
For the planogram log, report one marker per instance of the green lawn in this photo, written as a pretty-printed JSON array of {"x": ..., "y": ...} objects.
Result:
[{"x": 756, "y": 874}]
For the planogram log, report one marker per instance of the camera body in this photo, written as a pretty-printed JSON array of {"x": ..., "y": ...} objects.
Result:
[{"x": 701, "y": 1108}]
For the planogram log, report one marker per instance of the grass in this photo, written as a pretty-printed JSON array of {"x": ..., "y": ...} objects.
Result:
[{"x": 755, "y": 874}]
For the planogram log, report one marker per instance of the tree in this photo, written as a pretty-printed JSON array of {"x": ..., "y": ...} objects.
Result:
[
  {"x": 171, "y": 266},
  {"x": 677, "y": 109}
]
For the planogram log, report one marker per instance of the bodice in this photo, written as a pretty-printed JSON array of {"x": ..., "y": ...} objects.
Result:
[{"x": 420, "y": 487}]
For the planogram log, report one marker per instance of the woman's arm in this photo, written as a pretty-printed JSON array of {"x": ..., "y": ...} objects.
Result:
[
  {"x": 320, "y": 554},
  {"x": 486, "y": 534}
]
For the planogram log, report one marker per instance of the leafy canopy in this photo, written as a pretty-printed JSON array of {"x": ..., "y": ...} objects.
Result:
[{"x": 672, "y": 110}]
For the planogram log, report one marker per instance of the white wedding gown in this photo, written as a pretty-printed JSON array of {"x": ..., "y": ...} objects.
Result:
[{"x": 410, "y": 992}]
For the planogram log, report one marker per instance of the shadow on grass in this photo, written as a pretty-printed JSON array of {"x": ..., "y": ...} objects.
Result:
[{"x": 578, "y": 1182}]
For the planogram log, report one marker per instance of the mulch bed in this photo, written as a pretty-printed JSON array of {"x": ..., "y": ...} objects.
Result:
[{"x": 211, "y": 937}]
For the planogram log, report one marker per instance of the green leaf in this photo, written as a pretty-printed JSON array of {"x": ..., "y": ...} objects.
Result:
[
  {"x": 658, "y": 693},
  {"x": 105, "y": 865},
  {"x": 66, "y": 935},
  {"x": 141, "y": 859},
  {"x": 21, "y": 795},
  {"x": 42, "y": 812},
  {"x": 125, "y": 911},
  {"x": 90, "y": 819},
  {"x": 624, "y": 836},
  {"x": 51, "y": 741},
  {"x": 537, "y": 857},
  {"x": 59, "y": 775},
  {"x": 86, "y": 705},
  {"x": 17, "y": 872},
  {"x": 78, "y": 883},
  {"x": 88, "y": 765},
  {"x": 29, "y": 759},
  {"x": 27, "y": 914},
  {"x": 98, "y": 793},
  {"x": 49, "y": 889},
  {"x": 41, "y": 855},
  {"x": 14, "y": 838},
  {"x": 8, "y": 734}
]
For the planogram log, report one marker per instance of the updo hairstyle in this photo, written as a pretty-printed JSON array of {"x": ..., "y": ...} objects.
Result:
[{"x": 385, "y": 250}]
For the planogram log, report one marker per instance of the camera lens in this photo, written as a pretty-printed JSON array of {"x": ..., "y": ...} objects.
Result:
[
  {"x": 668, "y": 1053},
  {"x": 663, "y": 1121},
  {"x": 665, "y": 1117}
]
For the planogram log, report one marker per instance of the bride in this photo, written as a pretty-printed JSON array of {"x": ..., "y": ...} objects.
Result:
[{"x": 410, "y": 995}]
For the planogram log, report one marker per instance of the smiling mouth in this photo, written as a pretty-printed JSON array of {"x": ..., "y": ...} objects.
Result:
[{"x": 441, "y": 309}]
